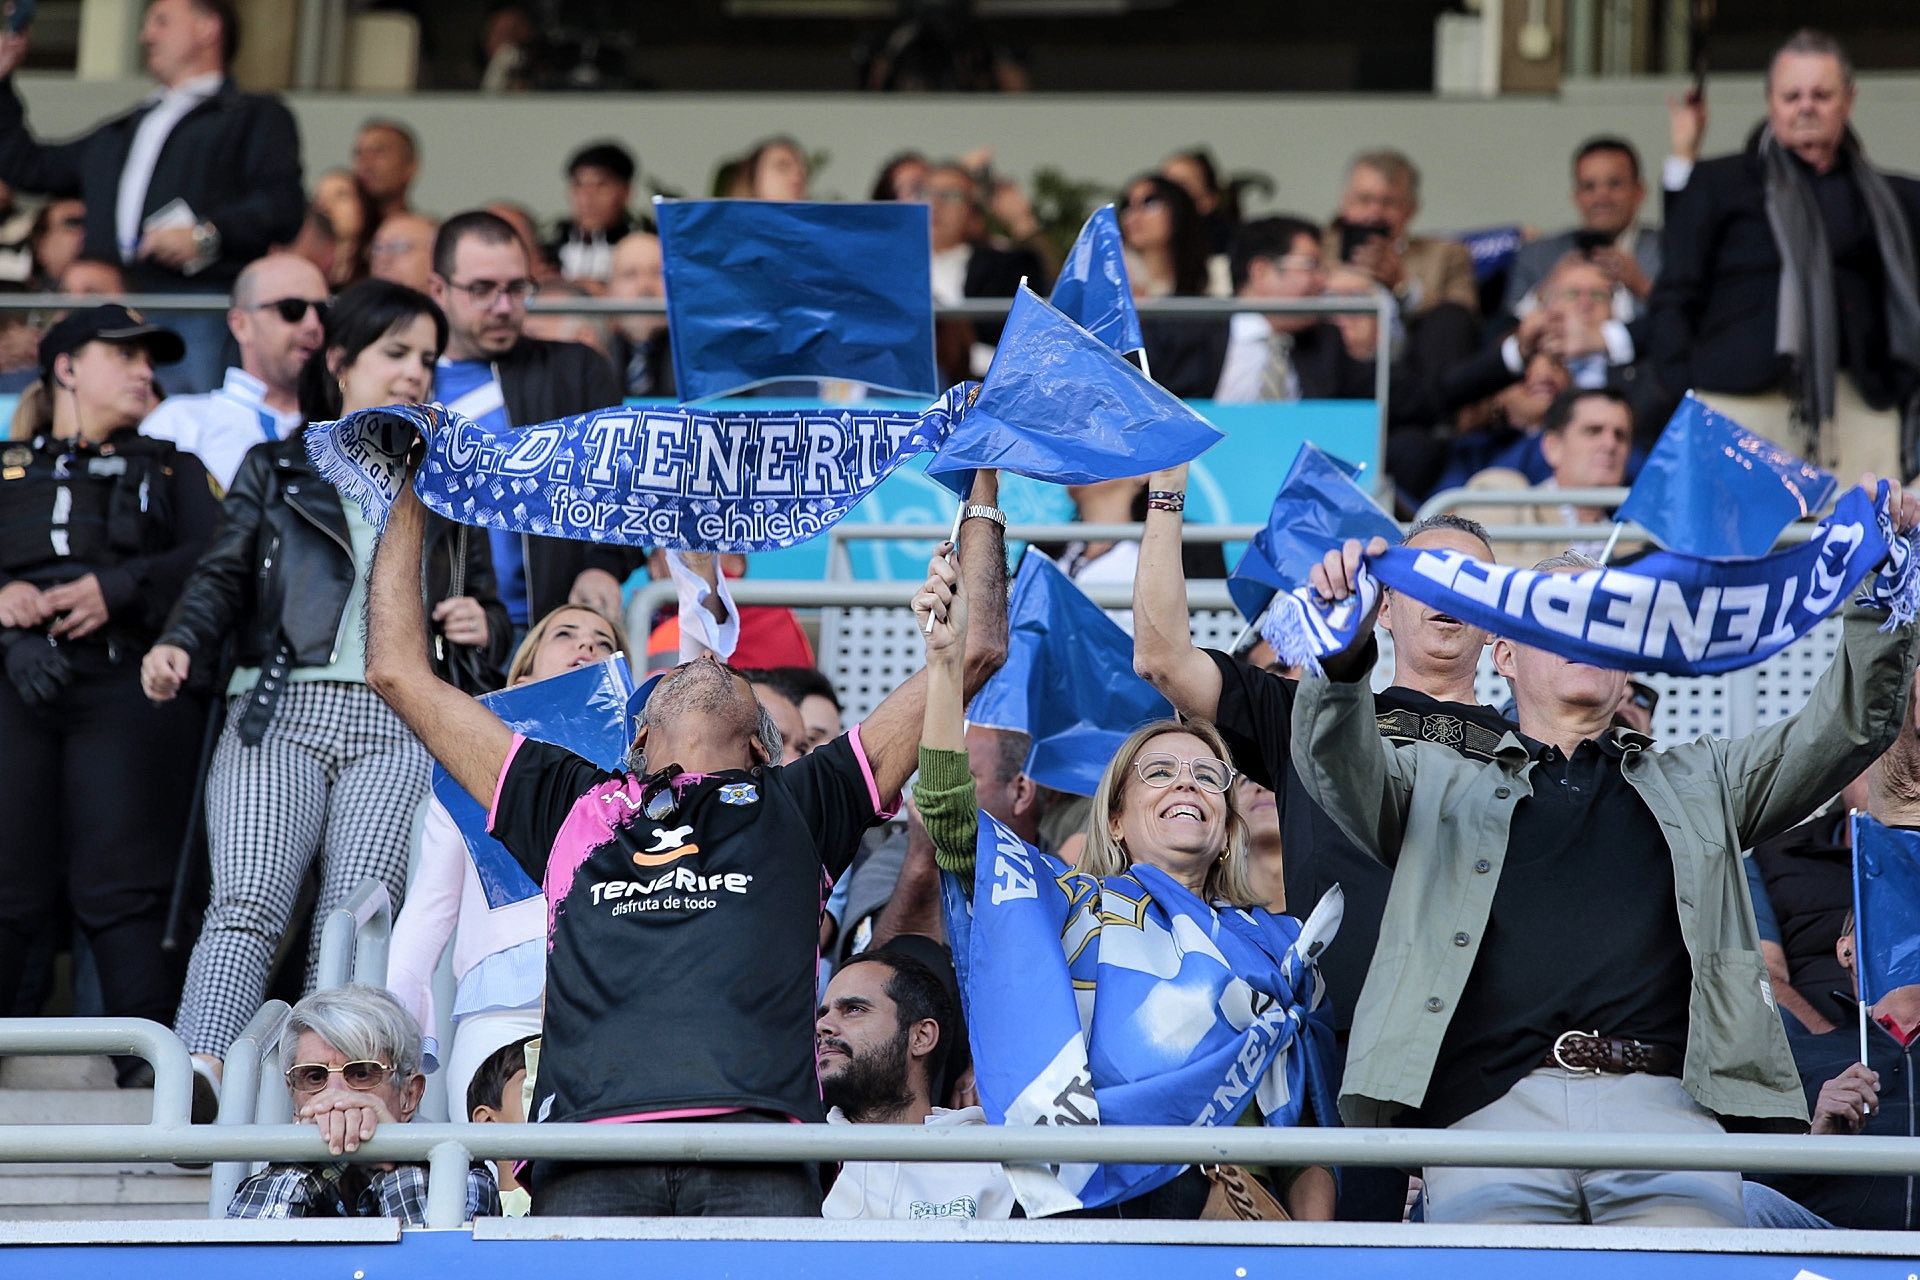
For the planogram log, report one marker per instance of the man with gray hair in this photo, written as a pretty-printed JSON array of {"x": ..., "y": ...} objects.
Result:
[
  {"x": 1788, "y": 298},
  {"x": 1371, "y": 231},
  {"x": 351, "y": 1058},
  {"x": 1568, "y": 945}
]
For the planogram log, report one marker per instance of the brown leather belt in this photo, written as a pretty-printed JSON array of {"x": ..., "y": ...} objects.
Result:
[{"x": 1583, "y": 1052}]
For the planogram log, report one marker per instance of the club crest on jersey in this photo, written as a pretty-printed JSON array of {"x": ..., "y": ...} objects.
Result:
[{"x": 739, "y": 793}]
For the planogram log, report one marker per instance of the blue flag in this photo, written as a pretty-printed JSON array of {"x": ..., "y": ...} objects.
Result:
[
  {"x": 1067, "y": 682},
  {"x": 585, "y": 711},
  {"x": 1712, "y": 488},
  {"x": 1318, "y": 507},
  {"x": 763, "y": 291},
  {"x": 1886, "y": 910},
  {"x": 1060, "y": 405},
  {"x": 1093, "y": 290}
]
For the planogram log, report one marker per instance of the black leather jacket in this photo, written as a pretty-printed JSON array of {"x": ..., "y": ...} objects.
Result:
[{"x": 282, "y": 563}]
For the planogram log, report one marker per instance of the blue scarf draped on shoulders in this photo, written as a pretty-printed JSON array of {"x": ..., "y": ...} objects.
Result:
[{"x": 1126, "y": 999}]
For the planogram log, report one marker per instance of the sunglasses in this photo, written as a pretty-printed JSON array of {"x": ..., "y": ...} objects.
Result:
[
  {"x": 294, "y": 310},
  {"x": 1643, "y": 697},
  {"x": 1144, "y": 202},
  {"x": 1160, "y": 770},
  {"x": 362, "y": 1074}
]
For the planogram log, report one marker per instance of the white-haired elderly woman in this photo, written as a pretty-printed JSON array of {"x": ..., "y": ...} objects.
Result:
[{"x": 351, "y": 1057}]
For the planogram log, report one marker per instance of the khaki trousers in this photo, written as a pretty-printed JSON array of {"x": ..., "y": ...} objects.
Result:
[
  {"x": 1550, "y": 1100},
  {"x": 1858, "y": 439}
]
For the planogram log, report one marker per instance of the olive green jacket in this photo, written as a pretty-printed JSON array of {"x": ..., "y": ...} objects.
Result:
[{"x": 1440, "y": 821}]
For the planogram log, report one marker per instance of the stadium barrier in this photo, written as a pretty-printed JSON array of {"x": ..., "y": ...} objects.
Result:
[
  {"x": 251, "y": 1092},
  {"x": 354, "y": 937},
  {"x": 1608, "y": 496}
]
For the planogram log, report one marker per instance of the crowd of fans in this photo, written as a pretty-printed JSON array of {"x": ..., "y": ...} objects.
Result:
[{"x": 188, "y": 674}]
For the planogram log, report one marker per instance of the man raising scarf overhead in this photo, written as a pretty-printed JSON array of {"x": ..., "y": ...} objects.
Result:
[{"x": 1567, "y": 945}]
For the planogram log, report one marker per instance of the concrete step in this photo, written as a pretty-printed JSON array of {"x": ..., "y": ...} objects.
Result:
[
  {"x": 80, "y": 1192},
  {"x": 35, "y": 1071},
  {"x": 76, "y": 1106},
  {"x": 103, "y": 1212}
]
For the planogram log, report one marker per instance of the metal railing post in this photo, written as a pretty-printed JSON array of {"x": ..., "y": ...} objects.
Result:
[
  {"x": 447, "y": 1184},
  {"x": 343, "y": 956},
  {"x": 134, "y": 1037},
  {"x": 243, "y": 1089}
]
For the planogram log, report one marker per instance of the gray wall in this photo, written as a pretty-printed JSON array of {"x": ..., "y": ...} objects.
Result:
[{"x": 1485, "y": 161}]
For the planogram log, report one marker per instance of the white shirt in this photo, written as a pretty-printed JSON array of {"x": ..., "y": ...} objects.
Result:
[
  {"x": 1249, "y": 344},
  {"x": 220, "y": 426},
  {"x": 929, "y": 1191},
  {"x": 170, "y": 105}
]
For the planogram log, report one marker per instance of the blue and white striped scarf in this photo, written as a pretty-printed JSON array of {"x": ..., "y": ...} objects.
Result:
[{"x": 1125, "y": 999}]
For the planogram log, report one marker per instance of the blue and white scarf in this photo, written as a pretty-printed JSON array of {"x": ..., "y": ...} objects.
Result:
[
  {"x": 1667, "y": 612},
  {"x": 1125, "y": 999},
  {"x": 682, "y": 478}
]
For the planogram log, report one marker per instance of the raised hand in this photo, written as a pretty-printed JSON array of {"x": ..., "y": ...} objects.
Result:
[{"x": 941, "y": 607}]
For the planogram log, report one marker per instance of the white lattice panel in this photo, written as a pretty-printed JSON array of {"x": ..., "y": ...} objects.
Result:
[{"x": 868, "y": 653}]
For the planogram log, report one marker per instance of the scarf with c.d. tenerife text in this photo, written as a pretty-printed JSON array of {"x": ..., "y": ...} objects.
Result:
[
  {"x": 678, "y": 477},
  {"x": 1667, "y": 612}
]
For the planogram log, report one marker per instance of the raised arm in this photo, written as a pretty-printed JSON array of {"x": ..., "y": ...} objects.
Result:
[
  {"x": 469, "y": 741},
  {"x": 945, "y": 791},
  {"x": 1163, "y": 650},
  {"x": 890, "y": 735}
]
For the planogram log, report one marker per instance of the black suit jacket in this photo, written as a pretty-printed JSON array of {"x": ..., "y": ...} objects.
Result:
[
  {"x": 542, "y": 381},
  {"x": 234, "y": 159},
  {"x": 1715, "y": 307}
]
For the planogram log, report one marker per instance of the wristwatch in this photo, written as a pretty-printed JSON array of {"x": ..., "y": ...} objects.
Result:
[{"x": 977, "y": 511}]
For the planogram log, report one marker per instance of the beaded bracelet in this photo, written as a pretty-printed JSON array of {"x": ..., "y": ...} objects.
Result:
[{"x": 1167, "y": 500}]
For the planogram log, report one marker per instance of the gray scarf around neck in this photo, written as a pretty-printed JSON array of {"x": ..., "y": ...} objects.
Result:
[{"x": 1808, "y": 328}]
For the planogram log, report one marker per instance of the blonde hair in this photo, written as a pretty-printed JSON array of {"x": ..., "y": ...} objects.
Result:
[
  {"x": 1105, "y": 855},
  {"x": 522, "y": 664}
]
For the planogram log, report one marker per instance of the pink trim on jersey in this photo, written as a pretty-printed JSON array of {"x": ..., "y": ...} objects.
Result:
[
  {"x": 688, "y": 1113},
  {"x": 493, "y": 810},
  {"x": 883, "y": 811}
]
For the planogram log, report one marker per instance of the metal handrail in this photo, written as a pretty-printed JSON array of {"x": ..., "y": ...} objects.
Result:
[
  {"x": 353, "y": 939},
  {"x": 128, "y": 1037},
  {"x": 1609, "y": 496},
  {"x": 248, "y": 1094},
  {"x": 448, "y": 1148}
]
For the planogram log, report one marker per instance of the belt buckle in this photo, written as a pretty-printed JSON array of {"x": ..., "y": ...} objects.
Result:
[{"x": 1559, "y": 1043}]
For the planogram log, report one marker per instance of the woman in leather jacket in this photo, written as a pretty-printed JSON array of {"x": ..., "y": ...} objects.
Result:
[{"x": 311, "y": 761}]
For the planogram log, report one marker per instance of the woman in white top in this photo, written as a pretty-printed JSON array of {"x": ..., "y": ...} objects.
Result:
[{"x": 499, "y": 953}]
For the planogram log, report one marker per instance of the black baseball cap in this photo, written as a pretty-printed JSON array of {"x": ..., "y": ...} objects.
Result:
[{"x": 109, "y": 322}]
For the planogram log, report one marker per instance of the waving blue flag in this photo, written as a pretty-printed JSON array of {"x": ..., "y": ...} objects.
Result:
[
  {"x": 1886, "y": 909},
  {"x": 1093, "y": 290},
  {"x": 1060, "y": 405},
  {"x": 1067, "y": 682},
  {"x": 585, "y": 711},
  {"x": 1712, "y": 488},
  {"x": 1318, "y": 507},
  {"x": 764, "y": 291}
]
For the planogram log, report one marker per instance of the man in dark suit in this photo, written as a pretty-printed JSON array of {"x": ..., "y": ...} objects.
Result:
[
  {"x": 495, "y": 375},
  {"x": 967, "y": 265},
  {"x": 1608, "y": 192},
  {"x": 185, "y": 189},
  {"x": 1788, "y": 297}
]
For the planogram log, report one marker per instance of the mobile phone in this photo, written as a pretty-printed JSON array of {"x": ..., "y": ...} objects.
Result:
[
  {"x": 20, "y": 16},
  {"x": 1355, "y": 234},
  {"x": 1586, "y": 240}
]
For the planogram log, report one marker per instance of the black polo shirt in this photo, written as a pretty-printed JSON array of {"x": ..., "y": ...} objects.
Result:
[
  {"x": 1255, "y": 717},
  {"x": 1583, "y": 935}
]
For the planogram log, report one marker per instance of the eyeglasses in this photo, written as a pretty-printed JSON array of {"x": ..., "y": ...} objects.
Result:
[
  {"x": 1643, "y": 696},
  {"x": 1308, "y": 263},
  {"x": 294, "y": 310},
  {"x": 363, "y": 1074},
  {"x": 483, "y": 292},
  {"x": 943, "y": 195},
  {"x": 1144, "y": 202},
  {"x": 1157, "y": 769},
  {"x": 1584, "y": 295}
]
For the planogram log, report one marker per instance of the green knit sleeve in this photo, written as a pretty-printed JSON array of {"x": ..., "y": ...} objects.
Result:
[{"x": 949, "y": 809}]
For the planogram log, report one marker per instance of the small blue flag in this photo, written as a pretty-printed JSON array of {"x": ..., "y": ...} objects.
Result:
[
  {"x": 1062, "y": 406},
  {"x": 765, "y": 291},
  {"x": 583, "y": 710},
  {"x": 1068, "y": 681},
  {"x": 1713, "y": 488},
  {"x": 1093, "y": 290},
  {"x": 1318, "y": 508},
  {"x": 1886, "y": 911}
]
